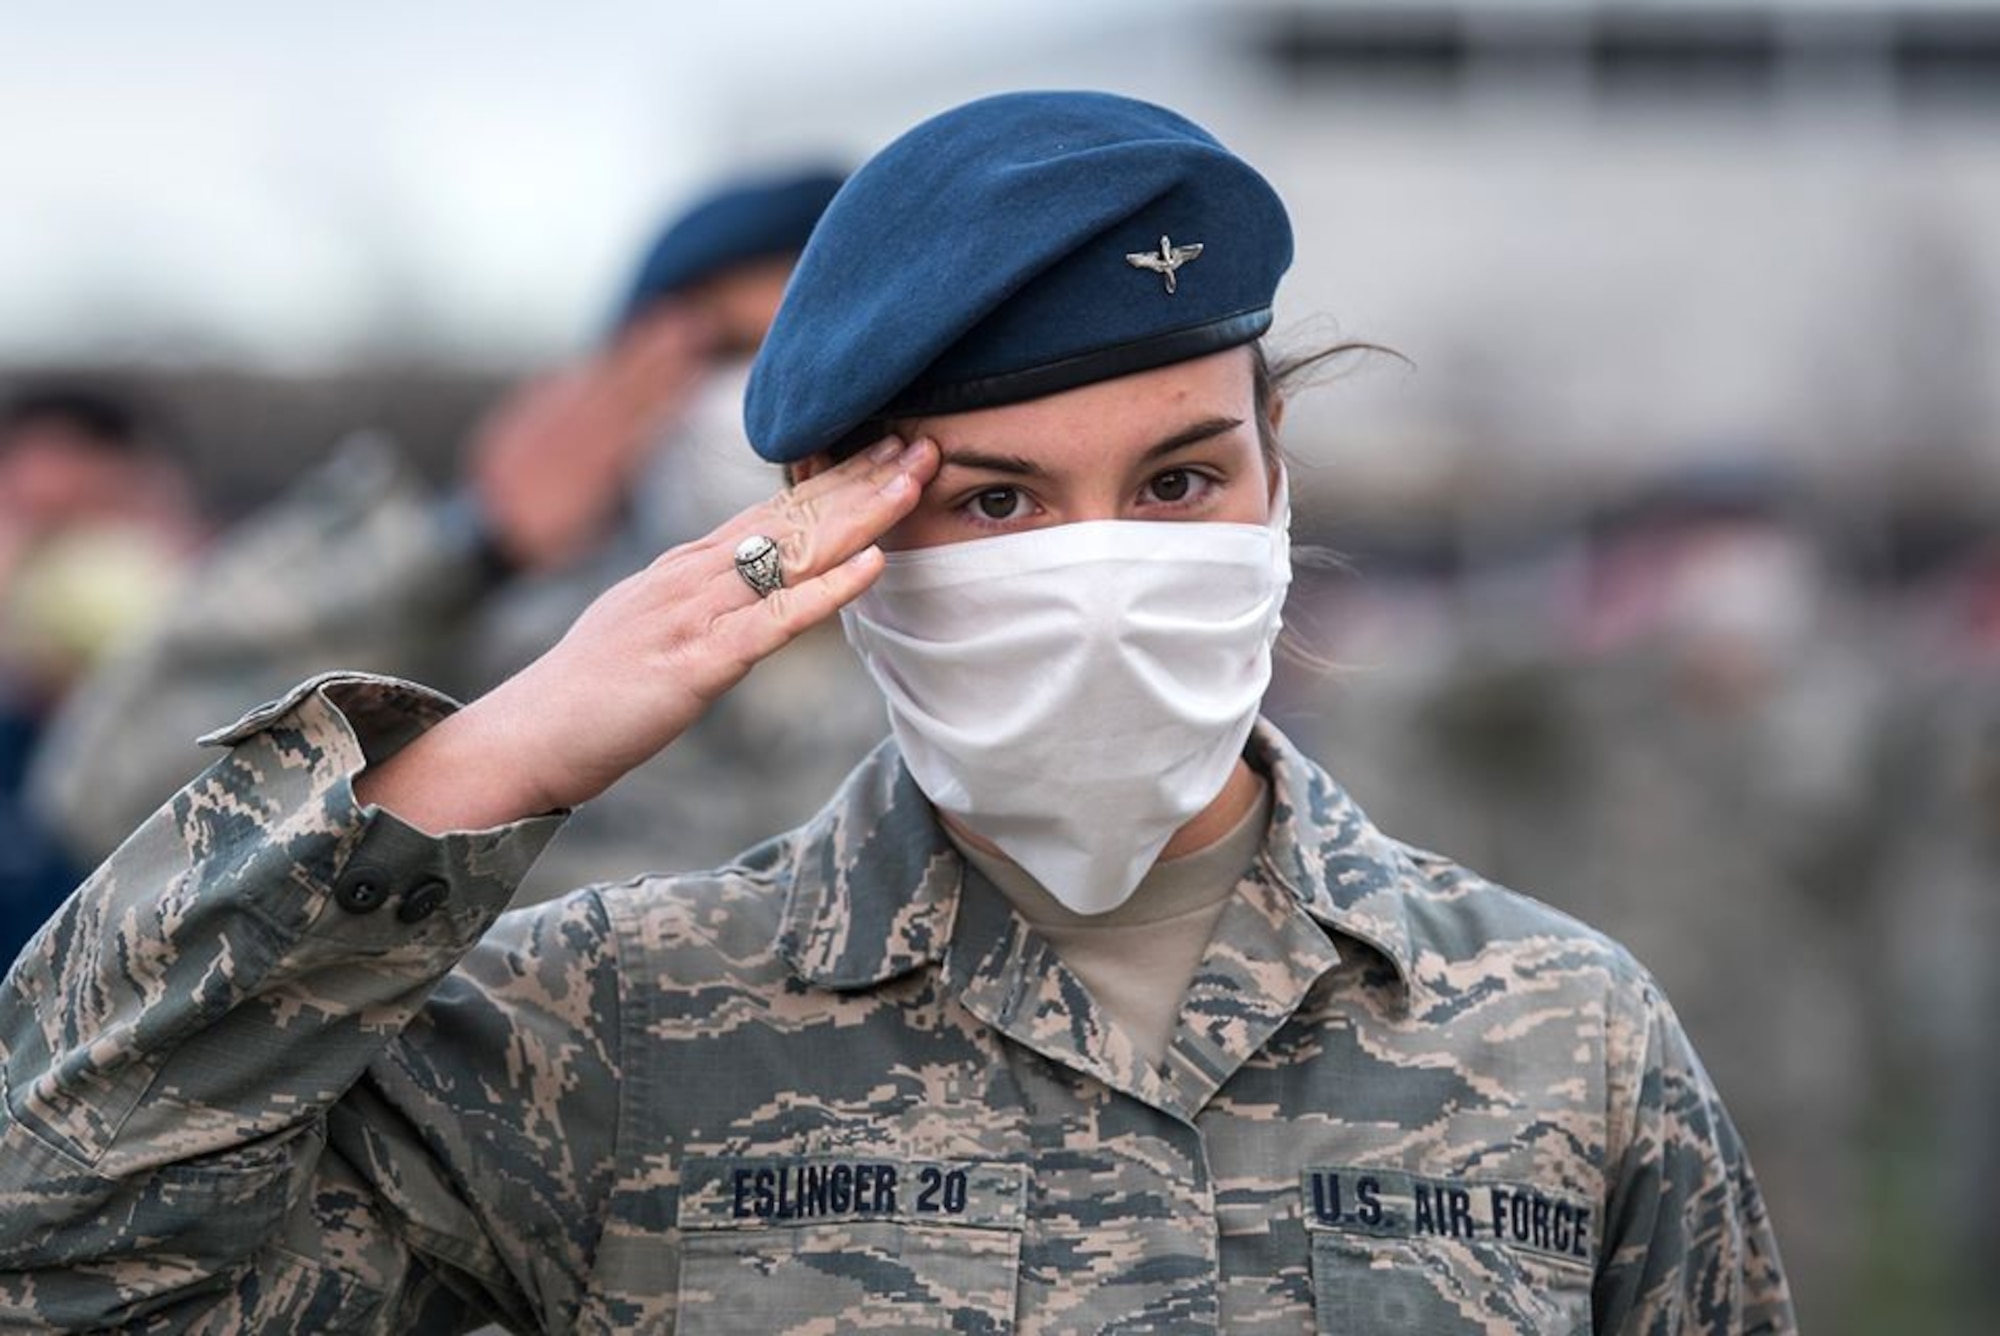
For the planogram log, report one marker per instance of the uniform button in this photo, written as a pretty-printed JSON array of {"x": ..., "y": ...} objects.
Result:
[
  {"x": 361, "y": 891},
  {"x": 423, "y": 900}
]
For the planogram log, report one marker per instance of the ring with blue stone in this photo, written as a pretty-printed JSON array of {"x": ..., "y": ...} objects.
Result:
[{"x": 757, "y": 562}]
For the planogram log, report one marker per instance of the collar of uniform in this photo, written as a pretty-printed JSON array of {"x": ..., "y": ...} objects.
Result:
[
  {"x": 875, "y": 881},
  {"x": 1324, "y": 850}
]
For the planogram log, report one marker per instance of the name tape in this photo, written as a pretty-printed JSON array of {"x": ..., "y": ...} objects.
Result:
[{"x": 748, "y": 1192}]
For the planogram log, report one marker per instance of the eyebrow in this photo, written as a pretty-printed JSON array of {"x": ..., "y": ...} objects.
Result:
[{"x": 1020, "y": 467}]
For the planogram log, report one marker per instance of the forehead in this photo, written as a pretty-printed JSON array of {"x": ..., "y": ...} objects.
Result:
[{"x": 1109, "y": 418}]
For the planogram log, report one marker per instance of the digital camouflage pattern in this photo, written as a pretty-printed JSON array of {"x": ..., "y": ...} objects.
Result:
[{"x": 277, "y": 1067}]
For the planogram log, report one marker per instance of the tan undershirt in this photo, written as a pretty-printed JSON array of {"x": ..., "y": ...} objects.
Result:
[{"x": 1138, "y": 960}]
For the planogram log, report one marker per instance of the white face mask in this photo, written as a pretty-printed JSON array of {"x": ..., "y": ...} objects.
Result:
[{"x": 1078, "y": 693}]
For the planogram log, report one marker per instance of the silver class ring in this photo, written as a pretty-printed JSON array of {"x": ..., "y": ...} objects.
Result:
[{"x": 757, "y": 563}]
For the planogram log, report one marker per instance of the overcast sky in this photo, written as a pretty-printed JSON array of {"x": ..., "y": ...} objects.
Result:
[
  {"x": 470, "y": 182},
  {"x": 292, "y": 185}
]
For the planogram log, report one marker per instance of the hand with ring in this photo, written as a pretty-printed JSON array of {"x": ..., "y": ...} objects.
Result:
[{"x": 648, "y": 656}]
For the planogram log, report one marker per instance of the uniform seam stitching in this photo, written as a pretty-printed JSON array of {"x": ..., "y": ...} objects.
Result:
[{"x": 614, "y": 939}]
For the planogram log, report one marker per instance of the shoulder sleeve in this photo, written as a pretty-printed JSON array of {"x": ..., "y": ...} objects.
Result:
[
  {"x": 1687, "y": 1244},
  {"x": 172, "y": 1042}
]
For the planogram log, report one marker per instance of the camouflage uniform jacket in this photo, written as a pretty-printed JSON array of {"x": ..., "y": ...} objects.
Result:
[{"x": 281, "y": 1066}]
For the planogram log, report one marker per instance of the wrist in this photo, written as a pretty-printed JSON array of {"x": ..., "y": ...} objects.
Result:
[{"x": 461, "y": 774}]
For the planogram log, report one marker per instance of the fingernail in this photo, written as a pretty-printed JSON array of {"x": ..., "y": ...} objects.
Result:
[
  {"x": 886, "y": 449},
  {"x": 896, "y": 485}
]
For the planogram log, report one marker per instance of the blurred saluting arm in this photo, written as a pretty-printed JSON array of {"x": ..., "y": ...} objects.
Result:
[{"x": 359, "y": 566}]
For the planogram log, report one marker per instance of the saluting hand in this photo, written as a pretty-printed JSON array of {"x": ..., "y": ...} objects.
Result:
[
  {"x": 650, "y": 654},
  {"x": 551, "y": 463}
]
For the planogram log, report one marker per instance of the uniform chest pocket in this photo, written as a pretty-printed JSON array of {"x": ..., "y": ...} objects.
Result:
[
  {"x": 1396, "y": 1252},
  {"x": 833, "y": 1243}
]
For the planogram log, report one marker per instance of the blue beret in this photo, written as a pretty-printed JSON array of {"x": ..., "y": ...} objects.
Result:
[
  {"x": 750, "y": 219},
  {"x": 1011, "y": 248}
]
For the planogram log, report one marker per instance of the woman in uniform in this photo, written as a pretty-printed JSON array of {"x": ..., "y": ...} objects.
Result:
[{"x": 1087, "y": 1004}]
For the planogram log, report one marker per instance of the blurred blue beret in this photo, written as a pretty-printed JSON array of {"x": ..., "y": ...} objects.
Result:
[
  {"x": 1011, "y": 248},
  {"x": 750, "y": 219}
]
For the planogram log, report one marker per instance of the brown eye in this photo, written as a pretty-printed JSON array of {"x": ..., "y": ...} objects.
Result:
[
  {"x": 1173, "y": 485},
  {"x": 998, "y": 503}
]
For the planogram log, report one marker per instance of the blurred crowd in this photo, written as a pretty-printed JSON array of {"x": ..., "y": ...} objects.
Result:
[
  {"x": 1704, "y": 715},
  {"x": 97, "y": 520},
  {"x": 574, "y": 477}
]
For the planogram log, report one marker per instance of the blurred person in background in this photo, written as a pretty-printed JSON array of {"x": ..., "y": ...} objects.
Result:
[
  {"x": 578, "y": 478},
  {"x": 96, "y": 520},
  {"x": 1444, "y": 687},
  {"x": 1678, "y": 749},
  {"x": 1935, "y": 971},
  {"x": 1722, "y": 700}
]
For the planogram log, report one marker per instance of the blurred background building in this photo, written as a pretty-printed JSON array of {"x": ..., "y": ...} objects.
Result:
[{"x": 1665, "y": 573}]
